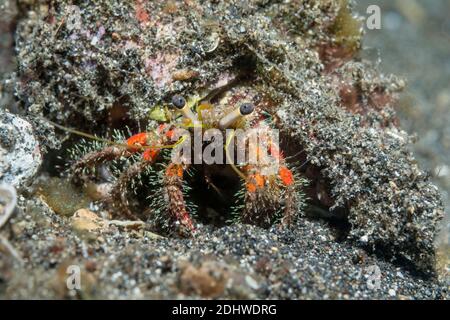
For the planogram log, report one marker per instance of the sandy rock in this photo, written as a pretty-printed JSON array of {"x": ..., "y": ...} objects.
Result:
[
  {"x": 211, "y": 279},
  {"x": 86, "y": 220},
  {"x": 208, "y": 280}
]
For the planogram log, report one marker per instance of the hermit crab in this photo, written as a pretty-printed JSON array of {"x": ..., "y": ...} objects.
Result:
[{"x": 199, "y": 162}]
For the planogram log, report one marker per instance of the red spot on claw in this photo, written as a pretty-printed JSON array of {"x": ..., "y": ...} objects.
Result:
[
  {"x": 138, "y": 140},
  {"x": 150, "y": 154},
  {"x": 286, "y": 176}
]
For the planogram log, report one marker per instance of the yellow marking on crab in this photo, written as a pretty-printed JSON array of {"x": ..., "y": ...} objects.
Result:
[
  {"x": 192, "y": 125},
  {"x": 159, "y": 113},
  {"x": 231, "y": 161},
  {"x": 162, "y": 113},
  {"x": 193, "y": 100},
  {"x": 201, "y": 107},
  {"x": 170, "y": 146}
]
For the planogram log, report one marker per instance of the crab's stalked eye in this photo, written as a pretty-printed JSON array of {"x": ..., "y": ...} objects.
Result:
[
  {"x": 246, "y": 108},
  {"x": 229, "y": 119},
  {"x": 178, "y": 101}
]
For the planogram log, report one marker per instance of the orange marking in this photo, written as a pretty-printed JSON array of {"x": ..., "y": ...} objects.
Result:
[
  {"x": 180, "y": 171},
  {"x": 259, "y": 179},
  {"x": 174, "y": 170},
  {"x": 150, "y": 154},
  {"x": 251, "y": 187},
  {"x": 286, "y": 176},
  {"x": 137, "y": 140},
  {"x": 170, "y": 133},
  {"x": 256, "y": 181}
]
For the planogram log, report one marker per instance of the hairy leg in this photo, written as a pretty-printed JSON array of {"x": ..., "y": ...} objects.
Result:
[
  {"x": 118, "y": 195},
  {"x": 96, "y": 158},
  {"x": 173, "y": 181},
  {"x": 269, "y": 197}
]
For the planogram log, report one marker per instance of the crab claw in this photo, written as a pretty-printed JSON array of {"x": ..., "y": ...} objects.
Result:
[{"x": 137, "y": 141}]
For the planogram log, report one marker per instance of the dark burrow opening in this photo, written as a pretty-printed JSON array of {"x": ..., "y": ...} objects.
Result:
[{"x": 214, "y": 191}]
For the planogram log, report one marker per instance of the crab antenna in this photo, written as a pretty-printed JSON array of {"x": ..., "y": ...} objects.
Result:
[
  {"x": 230, "y": 118},
  {"x": 110, "y": 142},
  {"x": 180, "y": 103}
]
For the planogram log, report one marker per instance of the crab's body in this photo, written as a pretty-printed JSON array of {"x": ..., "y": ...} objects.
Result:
[{"x": 265, "y": 191}]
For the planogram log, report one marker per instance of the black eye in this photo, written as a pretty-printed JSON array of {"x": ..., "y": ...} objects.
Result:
[
  {"x": 246, "y": 108},
  {"x": 178, "y": 101}
]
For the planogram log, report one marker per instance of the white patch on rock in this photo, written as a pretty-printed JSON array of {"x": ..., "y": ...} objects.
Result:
[{"x": 20, "y": 156}]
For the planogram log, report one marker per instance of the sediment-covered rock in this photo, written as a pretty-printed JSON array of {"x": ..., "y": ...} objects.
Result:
[{"x": 20, "y": 155}]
